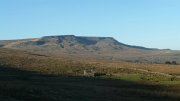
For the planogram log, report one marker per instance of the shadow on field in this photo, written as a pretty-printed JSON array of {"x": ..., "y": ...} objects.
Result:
[{"x": 19, "y": 85}]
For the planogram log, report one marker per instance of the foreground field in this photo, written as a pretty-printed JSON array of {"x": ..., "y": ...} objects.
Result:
[
  {"x": 16, "y": 85},
  {"x": 32, "y": 77}
]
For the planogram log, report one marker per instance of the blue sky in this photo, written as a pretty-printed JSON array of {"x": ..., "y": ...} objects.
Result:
[{"x": 149, "y": 23}]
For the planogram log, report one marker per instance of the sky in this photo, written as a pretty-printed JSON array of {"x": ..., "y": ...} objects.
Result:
[{"x": 148, "y": 23}]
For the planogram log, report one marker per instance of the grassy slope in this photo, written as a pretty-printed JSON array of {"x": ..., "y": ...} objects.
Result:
[{"x": 33, "y": 77}]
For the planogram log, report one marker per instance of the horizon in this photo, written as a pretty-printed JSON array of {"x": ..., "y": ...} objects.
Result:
[{"x": 147, "y": 23}]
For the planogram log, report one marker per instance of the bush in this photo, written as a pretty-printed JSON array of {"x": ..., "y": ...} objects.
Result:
[
  {"x": 99, "y": 74},
  {"x": 167, "y": 62},
  {"x": 171, "y": 63},
  {"x": 174, "y": 62}
]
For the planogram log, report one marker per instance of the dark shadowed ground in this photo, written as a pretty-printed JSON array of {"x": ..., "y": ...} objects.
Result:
[{"x": 18, "y": 85}]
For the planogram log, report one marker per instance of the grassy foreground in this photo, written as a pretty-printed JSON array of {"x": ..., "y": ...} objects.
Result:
[
  {"x": 18, "y": 85},
  {"x": 32, "y": 77}
]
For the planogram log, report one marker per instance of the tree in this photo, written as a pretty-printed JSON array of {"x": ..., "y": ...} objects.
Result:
[
  {"x": 167, "y": 62},
  {"x": 174, "y": 62},
  {"x": 171, "y": 63}
]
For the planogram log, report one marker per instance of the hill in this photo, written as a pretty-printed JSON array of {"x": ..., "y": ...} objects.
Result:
[{"x": 88, "y": 47}]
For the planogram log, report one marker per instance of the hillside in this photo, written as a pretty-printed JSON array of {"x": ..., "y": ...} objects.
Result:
[
  {"x": 87, "y": 47},
  {"x": 26, "y": 76}
]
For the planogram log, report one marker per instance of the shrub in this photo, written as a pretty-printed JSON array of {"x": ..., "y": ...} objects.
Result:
[
  {"x": 99, "y": 74},
  {"x": 172, "y": 63},
  {"x": 167, "y": 62}
]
